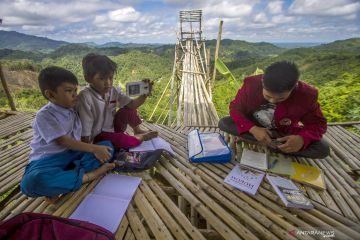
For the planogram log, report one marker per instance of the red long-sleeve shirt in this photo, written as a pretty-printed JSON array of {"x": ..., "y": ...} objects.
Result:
[{"x": 301, "y": 106}]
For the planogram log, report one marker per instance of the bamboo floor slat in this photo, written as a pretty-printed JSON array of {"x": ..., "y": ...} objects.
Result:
[{"x": 181, "y": 200}]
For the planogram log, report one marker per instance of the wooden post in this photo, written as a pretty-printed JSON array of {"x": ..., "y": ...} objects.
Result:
[
  {"x": 6, "y": 89},
  {"x": 207, "y": 81},
  {"x": 172, "y": 87},
  {"x": 217, "y": 49}
]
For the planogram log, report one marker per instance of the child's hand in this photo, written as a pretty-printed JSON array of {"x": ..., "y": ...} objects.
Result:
[
  {"x": 102, "y": 153},
  {"x": 263, "y": 135},
  {"x": 293, "y": 143},
  {"x": 151, "y": 83}
]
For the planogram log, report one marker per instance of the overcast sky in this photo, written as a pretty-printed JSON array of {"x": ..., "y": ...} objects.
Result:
[{"x": 157, "y": 21}]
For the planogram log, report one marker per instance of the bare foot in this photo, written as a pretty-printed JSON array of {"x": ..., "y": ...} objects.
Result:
[
  {"x": 51, "y": 200},
  {"x": 98, "y": 172},
  {"x": 147, "y": 136}
]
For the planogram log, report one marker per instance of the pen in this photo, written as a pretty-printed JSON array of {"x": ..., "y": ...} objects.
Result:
[{"x": 273, "y": 163}]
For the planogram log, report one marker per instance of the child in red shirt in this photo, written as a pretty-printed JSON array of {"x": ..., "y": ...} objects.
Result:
[{"x": 278, "y": 110}]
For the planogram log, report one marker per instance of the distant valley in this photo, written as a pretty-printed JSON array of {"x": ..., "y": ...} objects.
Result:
[{"x": 334, "y": 68}]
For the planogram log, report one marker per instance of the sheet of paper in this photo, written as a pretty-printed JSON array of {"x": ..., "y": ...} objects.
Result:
[
  {"x": 213, "y": 145},
  {"x": 194, "y": 145},
  {"x": 101, "y": 210},
  {"x": 254, "y": 159},
  {"x": 117, "y": 186},
  {"x": 145, "y": 146},
  {"x": 152, "y": 145},
  {"x": 160, "y": 143},
  {"x": 107, "y": 203}
]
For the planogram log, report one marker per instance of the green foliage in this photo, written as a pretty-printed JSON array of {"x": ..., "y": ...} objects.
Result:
[
  {"x": 29, "y": 100},
  {"x": 18, "y": 65},
  {"x": 335, "y": 73},
  {"x": 224, "y": 92},
  {"x": 349, "y": 45},
  {"x": 340, "y": 102}
]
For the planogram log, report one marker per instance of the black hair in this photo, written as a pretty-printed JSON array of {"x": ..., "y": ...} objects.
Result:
[
  {"x": 95, "y": 63},
  {"x": 281, "y": 77},
  {"x": 51, "y": 78}
]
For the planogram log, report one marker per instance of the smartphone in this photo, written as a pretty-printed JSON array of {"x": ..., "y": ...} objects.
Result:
[{"x": 137, "y": 88}]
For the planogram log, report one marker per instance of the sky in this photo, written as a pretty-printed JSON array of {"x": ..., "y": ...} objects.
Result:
[{"x": 157, "y": 21}]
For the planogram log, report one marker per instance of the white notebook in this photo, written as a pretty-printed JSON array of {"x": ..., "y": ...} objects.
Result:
[
  {"x": 152, "y": 145},
  {"x": 253, "y": 159},
  {"x": 107, "y": 203}
]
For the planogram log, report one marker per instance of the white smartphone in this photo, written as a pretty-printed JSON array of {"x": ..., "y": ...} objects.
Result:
[{"x": 137, "y": 88}]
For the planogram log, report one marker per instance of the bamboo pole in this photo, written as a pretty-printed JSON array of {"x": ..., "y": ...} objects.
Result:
[
  {"x": 232, "y": 205},
  {"x": 6, "y": 89},
  {"x": 343, "y": 123},
  {"x": 122, "y": 229},
  {"x": 227, "y": 218},
  {"x": 153, "y": 220},
  {"x": 180, "y": 217},
  {"x": 136, "y": 224},
  {"x": 172, "y": 87},
  {"x": 170, "y": 222},
  {"x": 162, "y": 95},
  {"x": 217, "y": 50},
  {"x": 218, "y": 225}
]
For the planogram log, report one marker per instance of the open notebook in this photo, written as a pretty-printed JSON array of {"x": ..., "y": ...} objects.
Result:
[
  {"x": 152, "y": 145},
  {"x": 108, "y": 202}
]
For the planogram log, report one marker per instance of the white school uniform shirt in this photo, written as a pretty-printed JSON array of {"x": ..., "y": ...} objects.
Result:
[
  {"x": 50, "y": 123},
  {"x": 97, "y": 113}
]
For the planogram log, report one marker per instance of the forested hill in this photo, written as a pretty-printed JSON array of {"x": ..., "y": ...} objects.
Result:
[
  {"x": 20, "y": 41},
  {"x": 348, "y": 45},
  {"x": 333, "y": 68}
]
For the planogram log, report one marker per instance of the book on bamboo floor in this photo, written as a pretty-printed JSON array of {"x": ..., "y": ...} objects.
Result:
[
  {"x": 289, "y": 193},
  {"x": 245, "y": 179}
]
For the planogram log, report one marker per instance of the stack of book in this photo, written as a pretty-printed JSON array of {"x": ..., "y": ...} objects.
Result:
[
  {"x": 301, "y": 173},
  {"x": 248, "y": 175}
]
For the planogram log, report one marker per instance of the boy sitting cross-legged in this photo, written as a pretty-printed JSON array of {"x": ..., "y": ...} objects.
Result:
[
  {"x": 59, "y": 162},
  {"x": 278, "y": 110},
  {"x": 97, "y": 106}
]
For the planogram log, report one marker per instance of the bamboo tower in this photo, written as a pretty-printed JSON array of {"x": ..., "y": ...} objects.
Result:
[{"x": 194, "y": 105}]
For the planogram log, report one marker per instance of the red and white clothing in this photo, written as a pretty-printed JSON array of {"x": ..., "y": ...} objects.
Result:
[
  {"x": 300, "y": 107},
  {"x": 97, "y": 116}
]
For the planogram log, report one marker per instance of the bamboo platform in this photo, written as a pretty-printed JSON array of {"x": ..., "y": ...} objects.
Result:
[{"x": 179, "y": 200}]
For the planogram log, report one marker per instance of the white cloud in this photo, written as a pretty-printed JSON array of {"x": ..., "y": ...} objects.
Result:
[
  {"x": 260, "y": 18},
  {"x": 281, "y": 19},
  {"x": 275, "y": 7},
  {"x": 127, "y": 14},
  {"x": 38, "y": 28},
  {"x": 321, "y": 8},
  {"x": 26, "y": 12},
  {"x": 157, "y": 20},
  {"x": 228, "y": 9}
]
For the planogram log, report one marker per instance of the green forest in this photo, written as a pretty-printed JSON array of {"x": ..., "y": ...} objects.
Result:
[{"x": 334, "y": 69}]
